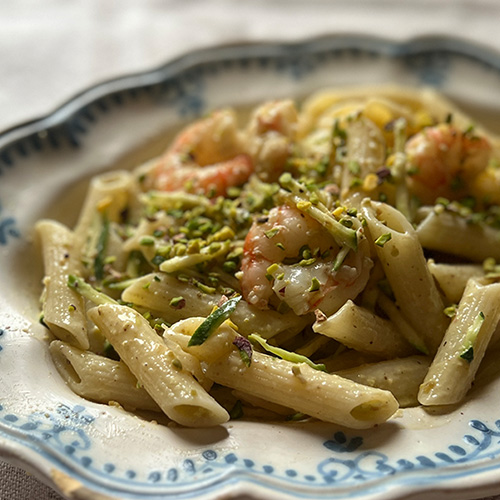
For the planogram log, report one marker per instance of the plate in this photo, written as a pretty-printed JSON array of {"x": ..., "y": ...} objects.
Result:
[{"x": 88, "y": 450}]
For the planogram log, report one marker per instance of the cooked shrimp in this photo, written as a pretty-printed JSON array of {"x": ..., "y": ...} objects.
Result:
[
  {"x": 205, "y": 158},
  {"x": 309, "y": 281},
  {"x": 443, "y": 160},
  {"x": 269, "y": 137}
]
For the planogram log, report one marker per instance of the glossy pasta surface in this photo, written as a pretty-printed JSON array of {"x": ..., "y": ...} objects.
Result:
[{"x": 331, "y": 259}]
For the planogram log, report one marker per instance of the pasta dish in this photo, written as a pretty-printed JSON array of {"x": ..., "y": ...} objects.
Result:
[{"x": 333, "y": 260}]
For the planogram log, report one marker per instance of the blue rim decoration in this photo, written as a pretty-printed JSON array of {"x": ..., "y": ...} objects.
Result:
[
  {"x": 427, "y": 57},
  {"x": 60, "y": 437}
]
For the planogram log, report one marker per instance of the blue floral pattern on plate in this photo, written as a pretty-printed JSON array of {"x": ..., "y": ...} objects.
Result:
[{"x": 61, "y": 431}]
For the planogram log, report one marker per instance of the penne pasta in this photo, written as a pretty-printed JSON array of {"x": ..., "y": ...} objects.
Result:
[
  {"x": 63, "y": 309},
  {"x": 321, "y": 395},
  {"x": 363, "y": 331},
  {"x": 98, "y": 378},
  {"x": 458, "y": 358},
  {"x": 302, "y": 388},
  {"x": 156, "y": 292},
  {"x": 406, "y": 270},
  {"x": 453, "y": 234},
  {"x": 174, "y": 389},
  {"x": 452, "y": 278},
  {"x": 303, "y": 257},
  {"x": 402, "y": 377}
]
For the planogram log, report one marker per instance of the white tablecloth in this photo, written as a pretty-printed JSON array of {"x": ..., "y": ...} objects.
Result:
[{"x": 52, "y": 49}]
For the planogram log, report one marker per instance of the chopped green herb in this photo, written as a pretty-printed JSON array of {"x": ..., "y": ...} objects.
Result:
[
  {"x": 205, "y": 288},
  {"x": 339, "y": 260},
  {"x": 88, "y": 291},
  {"x": 177, "y": 302},
  {"x": 450, "y": 311},
  {"x": 230, "y": 266},
  {"x": 470, "y": 338},
  {"x": 147, "y": 241},
  {"x": 102, "y": 243},
  {"x": 213, "y": 321},
  {"x": 307, "y": 262},
  {"x": 315, "y": 285},
  {"x": 342, "y": 235},
  {"x": 346, "y": 222},
  {"x": 272, "y": 232},
  {"x": 271, "y": 270},
  {"x": 293, "y": 357},
  {"x": 356, "y": 182},
  {"x": 383, "y": 239},
  {"x": 354, "y": 167},
  {"x": 157, "y": 260}
]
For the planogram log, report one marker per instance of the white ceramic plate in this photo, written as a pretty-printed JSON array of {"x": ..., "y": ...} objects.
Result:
[{"x": 87, "y": 449}]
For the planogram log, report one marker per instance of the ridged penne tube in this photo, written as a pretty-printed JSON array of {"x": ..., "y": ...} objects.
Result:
[
  {"x": 392, "y": 311},
  {"x": 452, "y": 278},
  {"x": 156, "y": 367},
  {"x": 360, "y": 329},
  {"x": 293, "y": 385},
  {"x": 110, "y": 191},
  {"x": 401, "y": 376},
  {"x": 453, "y": 369},
  {"x": 365, "y": 151},
  {"x": 406, "y": 269},
  {"x": 98, "y": 378},
  {"x": 321, "y": 395},
  {"x": 189, "y": 362},
  {"x": 449, "y": 233},
  {"x": 155, "y": 291},
  {"x": 108, "y": 194},
  {"x": 63, "y": 308}
]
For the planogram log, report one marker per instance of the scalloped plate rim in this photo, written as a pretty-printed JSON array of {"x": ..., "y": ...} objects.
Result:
[{"x": 65, "y": 111}]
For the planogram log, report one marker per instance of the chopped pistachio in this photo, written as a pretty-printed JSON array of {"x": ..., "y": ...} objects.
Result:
[
  {"x": 354, "y": 167},
  {"x": 230, "y": 266},
  {"x": 470, "y": 338},
  {"x": 147, "y": 241},
  {"x": 177, "y": 302},
  {"x": 307, "y": 262},
  {"x": 315, "y": 285},
  {"x": 271, "y": 232},
  {"x": 383, "y": 239},
  {"x": 450, "y": 311}
]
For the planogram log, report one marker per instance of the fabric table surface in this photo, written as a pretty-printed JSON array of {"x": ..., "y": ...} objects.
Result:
[{"x": 51, "y": 50}]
